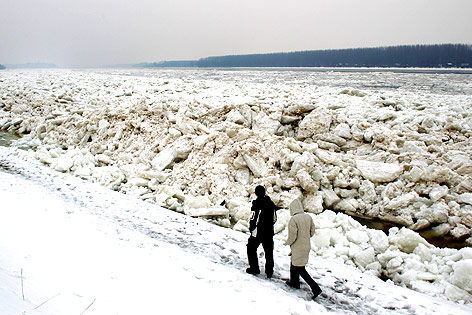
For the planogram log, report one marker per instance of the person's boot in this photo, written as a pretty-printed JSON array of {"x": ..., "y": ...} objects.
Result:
[
  {"x": 290, "y": 284},
  {"x": 252, "y": 271},
  {"x": 316, "y": 293}
]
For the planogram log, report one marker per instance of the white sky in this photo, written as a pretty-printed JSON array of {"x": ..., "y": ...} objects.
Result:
[{"x": 103, "y": 32}]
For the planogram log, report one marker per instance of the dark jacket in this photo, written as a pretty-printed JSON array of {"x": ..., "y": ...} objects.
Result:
[{"x": 262, "y": 217}]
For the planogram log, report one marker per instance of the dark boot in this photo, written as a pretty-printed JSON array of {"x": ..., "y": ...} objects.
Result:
[
  {"x": 252, "y": 271},
  {"x": 316, "y": 293},
  {"x": 290, "y": 284}
]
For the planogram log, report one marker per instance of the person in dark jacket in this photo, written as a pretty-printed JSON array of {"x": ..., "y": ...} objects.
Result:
[
  {"x": 261, "y": 227},
  {"x": 300, "y": 230}
]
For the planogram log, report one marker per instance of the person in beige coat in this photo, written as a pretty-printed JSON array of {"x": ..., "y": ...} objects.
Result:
[{"x": 300, "y": 230}]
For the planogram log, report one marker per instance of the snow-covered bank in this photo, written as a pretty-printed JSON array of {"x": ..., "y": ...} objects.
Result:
[
  {"x": 72, "y": 247},
  {"x": 72, "y": 256},
  {"x": 381, "y": 145}
]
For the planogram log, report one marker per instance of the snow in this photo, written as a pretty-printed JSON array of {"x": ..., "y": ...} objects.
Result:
[
  {"x": 389, "y": 146},
  {"x": 72, "y": 247}
]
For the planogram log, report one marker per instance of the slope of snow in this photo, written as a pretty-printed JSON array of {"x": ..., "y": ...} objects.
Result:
[{"x": 72, "y": 247}]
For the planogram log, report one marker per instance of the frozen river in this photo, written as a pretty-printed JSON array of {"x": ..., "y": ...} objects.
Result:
[
  {"x": 386, "y": 145},
  {"x": 435, "y": 81}
]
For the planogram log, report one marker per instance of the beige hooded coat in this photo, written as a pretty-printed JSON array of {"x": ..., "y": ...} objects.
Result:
[{"x": 300, "y": 230}]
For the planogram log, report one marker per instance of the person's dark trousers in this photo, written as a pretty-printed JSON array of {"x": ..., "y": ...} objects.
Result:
[
  {"x": 268, "y": 245},
  {"x": 296, "y": 272}
]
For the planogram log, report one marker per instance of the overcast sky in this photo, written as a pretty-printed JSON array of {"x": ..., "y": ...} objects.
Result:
[{"x": 103, "y": 32}]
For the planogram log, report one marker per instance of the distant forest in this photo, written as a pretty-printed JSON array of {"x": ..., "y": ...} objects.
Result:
[
  {"x": 2, "y": 67},
  {"x": 168, "y": 64},
  {"x": 418, "y": 56},
  {"x": 31, "y": 65}
]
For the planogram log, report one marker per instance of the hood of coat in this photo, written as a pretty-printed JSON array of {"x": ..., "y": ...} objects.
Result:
[{"x": 296, "y": 207}]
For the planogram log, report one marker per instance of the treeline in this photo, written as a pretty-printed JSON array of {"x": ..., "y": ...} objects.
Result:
[
  {"x": 407, "y": 56},
  {"x": 445, "y": 55},
  {"x": 168, "y": 64},
  {"x": 2, "y": 67},
  {"x": 32, "y": 65}
]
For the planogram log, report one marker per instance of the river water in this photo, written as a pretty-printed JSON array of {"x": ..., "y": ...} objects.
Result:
[{"x": 6, "y": 138}]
